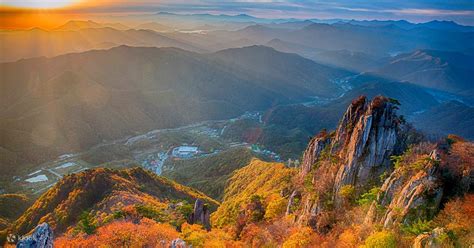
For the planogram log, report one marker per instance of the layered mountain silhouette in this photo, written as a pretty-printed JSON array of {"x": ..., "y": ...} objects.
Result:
[
  {"x": 378, "y": 39},
  {"x": 448, "y": 71},
  {"x": 79, "y": 37},
  {"x": 449, "y": 117},
  {"x": 75, "y": 25},
  {"x": 77, "y": 100}
]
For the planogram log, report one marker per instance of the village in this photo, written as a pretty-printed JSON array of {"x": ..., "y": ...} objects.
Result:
[{"x": 151, "y": 150}]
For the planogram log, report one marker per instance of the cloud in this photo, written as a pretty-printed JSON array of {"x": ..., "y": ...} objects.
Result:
[
  {"x": 432, "y": 12},
  {"x": 413, "y": 10}
]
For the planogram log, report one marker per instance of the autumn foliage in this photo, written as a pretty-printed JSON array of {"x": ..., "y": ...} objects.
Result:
[
  {"x": 147, "y": 233},
  {"x": 142, "y": 210}
]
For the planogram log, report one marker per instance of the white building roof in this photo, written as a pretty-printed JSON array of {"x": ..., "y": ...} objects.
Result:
[{"x": 187, "y": 149}]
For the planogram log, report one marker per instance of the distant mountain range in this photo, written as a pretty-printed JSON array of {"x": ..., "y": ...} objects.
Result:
[
  {"x": 75, "y": 25},
  {"x": 155, "y": 26},
  {"x": 70, "y": 38},
  {"x": 376, "y": 39},
  {"x": 69, "y": 102},
  {"x": 449, "y": 71},
  {"x": 447, "y": 118}
]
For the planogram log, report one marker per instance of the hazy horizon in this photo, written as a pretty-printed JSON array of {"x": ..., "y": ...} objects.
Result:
[{"x": 47, "y": 14}]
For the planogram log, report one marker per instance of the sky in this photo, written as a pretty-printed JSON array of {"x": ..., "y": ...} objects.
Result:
[{"x": 461, "y": 11}]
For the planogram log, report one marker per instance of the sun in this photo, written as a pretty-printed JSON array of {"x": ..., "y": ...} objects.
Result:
[{"x": 38, "y": 4}]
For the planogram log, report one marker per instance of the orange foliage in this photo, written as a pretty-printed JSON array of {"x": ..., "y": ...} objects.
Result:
[
  {"x": 147, "y": 233},
  {"x": 256, "y": 236},
  {"x": 197, "y": 236},
  {"x": 349, "y": 238},
  {"x": 458, "y": 217},
  {"x": 460, "y": 161},
  {"x": 303, "y": 237}
]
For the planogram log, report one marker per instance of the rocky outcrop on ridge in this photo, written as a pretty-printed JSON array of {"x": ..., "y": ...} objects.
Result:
[
  {"x": 422, "y": 181},
  {"x": 313, "y": 151},
  {"x": 353, "y": 156},
  {"x": 201, "y": 214},
  {"x": 410, "y": 192},
  {"x": 42, "y": 237},
  {"x": 429, "y": 240}
]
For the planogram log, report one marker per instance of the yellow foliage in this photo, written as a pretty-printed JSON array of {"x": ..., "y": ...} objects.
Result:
[
  {"x": 276, "y": 207},
  {"x": 347, "y": 191},
  {"x": 303, "y": 237},
  {"x": 196, "y": 236},
  {"x": 257, "y": 178},
  {"x": 382, "y": 239}
]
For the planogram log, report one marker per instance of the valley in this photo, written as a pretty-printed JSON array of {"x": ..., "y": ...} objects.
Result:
[
  {"x": 270, "y": 134},
  {"x": 154, "y": 151}
]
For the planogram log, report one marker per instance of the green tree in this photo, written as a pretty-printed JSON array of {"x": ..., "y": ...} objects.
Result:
[{"x": 86, "y": 223}]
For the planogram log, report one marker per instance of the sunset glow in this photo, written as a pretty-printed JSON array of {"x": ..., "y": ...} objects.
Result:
[{"x": 39, "y": 4}]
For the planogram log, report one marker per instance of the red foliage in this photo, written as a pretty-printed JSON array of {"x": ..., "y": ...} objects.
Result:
[{"x": 147, "y": 233}]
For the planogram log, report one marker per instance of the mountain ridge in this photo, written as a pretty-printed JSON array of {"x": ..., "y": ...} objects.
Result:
[{"x": 140, "y": 89}]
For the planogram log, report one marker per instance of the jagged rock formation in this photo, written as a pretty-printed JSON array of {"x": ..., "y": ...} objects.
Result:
[
  {"x": 409, "y": 193},
  {"x": 355, "y": 155},
  {"x": 201, "y": 214},
  {"x": 368, "y": 145},
  {"x": 422, "y": 181},
  {"x": 313, "y": 152},
  {"x": 42, "y": 237},
  {"x": 292, "y": 201},
  {"x": 429, "y": 240}
]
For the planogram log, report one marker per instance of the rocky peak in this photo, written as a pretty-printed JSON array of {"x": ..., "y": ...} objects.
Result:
[
  {"x": 355, "y": 155},
  {"x": 370, "y": 142},
  {"x": 324, "y": 140},
  {"x": 42, "y": 237},
  {"x": 363, "y": 142},
  {"x": 350, "y": 118}
]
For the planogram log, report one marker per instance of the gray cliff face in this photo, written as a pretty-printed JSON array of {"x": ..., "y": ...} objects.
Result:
[
  {"x": 405, "y": 194},
  {"x": 201, "y": 214},
  {"x": 356, "y": 155},
  {"x": 42, "y": 237},
  {"x": 370, "y": 145},
  {"x": 313, "y": 152}
]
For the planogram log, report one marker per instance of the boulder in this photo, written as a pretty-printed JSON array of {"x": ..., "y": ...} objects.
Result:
[
  {"x": 201, "y": 214},
  {"x": 430, "y": 240},
  {"x": 42, "y": 237}
]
